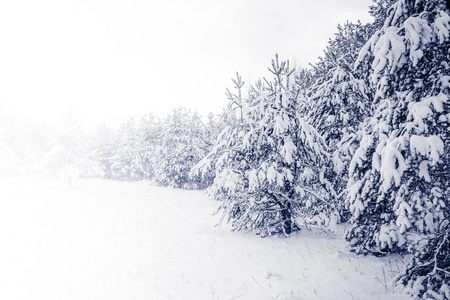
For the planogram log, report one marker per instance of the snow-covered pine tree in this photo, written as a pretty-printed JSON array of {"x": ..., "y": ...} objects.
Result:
[
  {"x": 270, "y": 152},
  {"x": 217, "y": 123},
  {"x": 127, "y": 161},
  {"x": 339, "y": 107},
  {"x": 101, "y": 150},
  {"x": 304, "y": 79},
  {"x": 379, "y": 11},
  {"x": 9, "y": 162},
  {"x": 399, "y": 175},
  {"x": 150, "y": 139},
  {"x": 338, "y": 102},
  {"x": 218, "y": 128},
  {"x": 182, "y": 146},
  {"x": 342, "y": 50},
  {"x": 66, "y": 157},
  {"x": 266, "y": 166},
  {"x": 200, "y": 143}
]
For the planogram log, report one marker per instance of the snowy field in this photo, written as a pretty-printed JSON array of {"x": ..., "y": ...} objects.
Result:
[{"x": 117, "y": 240}]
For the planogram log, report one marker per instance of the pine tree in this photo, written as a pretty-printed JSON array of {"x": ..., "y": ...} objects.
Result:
[
  {"x": 101, "y": 151},
  {"x": 217, "y": 123},
  {"x": 9, "y": 162},
  {"x": 267, "y": 175},
  {"x": 379, "y": 11},
  {"x": 337, "y": 102},
  {"x": 150, "y": 140},
  {"x": 399, "y": 176},
  {"x": 338, "y": 108},
  {"x": 66, "y": 157},
  {"x": 215, "y": 129},
  {"x": 182, "y": 146},
  {"x": 127, "y": 161}
]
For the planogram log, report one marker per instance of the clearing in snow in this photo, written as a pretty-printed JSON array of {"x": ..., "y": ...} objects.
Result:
[{"x": 120, "y": 240}]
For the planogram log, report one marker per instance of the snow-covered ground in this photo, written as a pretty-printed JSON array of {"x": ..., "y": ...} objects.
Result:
[{"x": 117, "y": 240}]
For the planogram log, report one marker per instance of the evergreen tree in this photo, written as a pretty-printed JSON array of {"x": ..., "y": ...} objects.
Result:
[
  {"x": 267, "y": 174},
  {"x": 9, "y": 162},
  {"x": 217, "y": 123},
  {"x": 399, "y": 174},
  {"x": 337, "y": 102},
  {"x": 127, "y": 161},
  {"x": 338, "y": 108},
  {"x": 150, "y": 141},
  {"x": 66, "y": 156},
  {"x": 215, "y": 127},
  {"x": 341, "y": 51},
  {"x": 182, "y": 146},
  {"x": 304, "y": 79},
  {"x": 101, "y": 151},
  {"x": 379, "y": 11}
]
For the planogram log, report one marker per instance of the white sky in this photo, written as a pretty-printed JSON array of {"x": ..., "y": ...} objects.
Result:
[{"x": 109, "y": 60}]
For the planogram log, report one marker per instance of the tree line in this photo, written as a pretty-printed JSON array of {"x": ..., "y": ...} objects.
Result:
[{"x": 359, "y": 137}]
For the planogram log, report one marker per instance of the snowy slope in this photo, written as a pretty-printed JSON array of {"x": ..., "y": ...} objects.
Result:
[{"x": 116, "y": 240}]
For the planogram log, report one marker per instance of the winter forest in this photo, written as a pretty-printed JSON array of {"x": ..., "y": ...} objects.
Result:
[{"x": 355, "y": 146}]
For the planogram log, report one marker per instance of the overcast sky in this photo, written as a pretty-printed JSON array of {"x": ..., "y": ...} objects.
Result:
[{"x": 109, "y": 60}]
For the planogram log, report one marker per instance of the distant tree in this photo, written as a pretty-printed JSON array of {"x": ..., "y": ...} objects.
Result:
[
  {"x": 101, "y": 150},
  {"x": 216, "y": 123},
  {"x": 9, "y": 162},
  {"x": 182, "y": 146},
  {"x": 127, "y": 160},
  {"x": 150, "y": 137},
  {"x": 66, "y": 157}
]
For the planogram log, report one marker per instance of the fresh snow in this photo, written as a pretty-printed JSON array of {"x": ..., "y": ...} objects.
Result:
[
  {"x": 442, "y": 27},
  {"x": 116, "y": 240},
  {"x": 419, "y": 33}
]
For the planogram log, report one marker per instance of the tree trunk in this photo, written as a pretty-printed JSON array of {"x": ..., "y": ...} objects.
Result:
[{"x": 286, "y": 217}]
